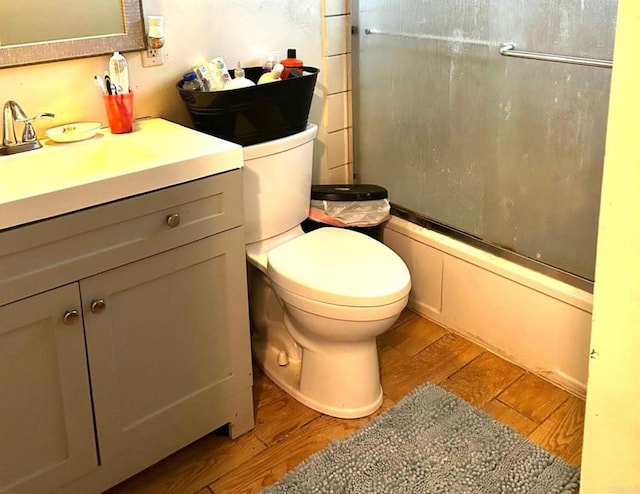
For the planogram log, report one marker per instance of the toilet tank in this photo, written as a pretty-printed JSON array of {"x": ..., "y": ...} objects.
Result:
[{"x": 277, "y": 184}]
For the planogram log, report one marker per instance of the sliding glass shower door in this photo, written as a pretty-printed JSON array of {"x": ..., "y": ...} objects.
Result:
[{"x": 508, "y": 150}]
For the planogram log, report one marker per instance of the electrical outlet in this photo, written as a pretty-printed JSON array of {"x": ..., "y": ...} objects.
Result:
[{"x": 152, "y": 57}]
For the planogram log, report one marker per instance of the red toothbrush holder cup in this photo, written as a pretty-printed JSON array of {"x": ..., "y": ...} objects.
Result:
[{"x": 119, "y": 112}]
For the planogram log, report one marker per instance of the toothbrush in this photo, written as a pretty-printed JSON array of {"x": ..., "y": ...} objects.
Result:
[
  {"x": 100, "y": 84},
  {"x": 107, "y": 81}
]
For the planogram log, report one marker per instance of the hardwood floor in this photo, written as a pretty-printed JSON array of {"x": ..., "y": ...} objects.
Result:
[{"x": 413, "y": 351}]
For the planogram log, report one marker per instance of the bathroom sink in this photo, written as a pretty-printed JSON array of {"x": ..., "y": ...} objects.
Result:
[
  {"x": 61, "y": 178},
  {"x": 65, "y": 165}
]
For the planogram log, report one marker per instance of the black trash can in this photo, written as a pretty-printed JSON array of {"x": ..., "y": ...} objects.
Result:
[{"x": 360, "y": 207}]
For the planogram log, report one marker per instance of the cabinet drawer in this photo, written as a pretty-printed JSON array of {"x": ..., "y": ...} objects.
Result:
[{"x": 47, "y": 254}]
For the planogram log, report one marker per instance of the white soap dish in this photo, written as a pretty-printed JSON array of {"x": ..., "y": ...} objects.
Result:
[{"x": 73, "y": 132}]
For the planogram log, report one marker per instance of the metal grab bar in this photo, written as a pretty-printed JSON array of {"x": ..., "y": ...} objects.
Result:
[
  {"x": 431, "y": 37},
  {"x": 508, "y": 50}
]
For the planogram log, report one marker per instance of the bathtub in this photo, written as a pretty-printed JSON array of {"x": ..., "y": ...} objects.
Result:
[{"x": 535, "y": 321}]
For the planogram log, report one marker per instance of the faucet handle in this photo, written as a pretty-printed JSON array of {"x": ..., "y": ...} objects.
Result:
[
  {"x": 42, "y": 115},
  {"x": 29, "y": 133}
]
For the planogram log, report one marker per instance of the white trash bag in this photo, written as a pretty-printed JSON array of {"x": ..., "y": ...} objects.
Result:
[{"x": 350, "y": 213}]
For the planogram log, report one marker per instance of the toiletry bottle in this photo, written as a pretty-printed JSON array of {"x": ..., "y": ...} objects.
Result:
[
  {"x": 272, "y": 76},
  {"x": 190, "y": 82},
  {"x": 270, "y": 62},
  {"x": 119, "y": 73},
  {"x": 239, "y": 80},
  {"x": 203, "y": 76},
  {"x": 292, "y": 65},
  {"x": 219, "y": 73}
]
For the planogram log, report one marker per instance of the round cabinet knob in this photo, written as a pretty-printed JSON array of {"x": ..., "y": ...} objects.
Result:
[
  {"x": 98, "y": 306},
  {"x": 71, "y": 317},
  {"x": 173, "y": 220}
]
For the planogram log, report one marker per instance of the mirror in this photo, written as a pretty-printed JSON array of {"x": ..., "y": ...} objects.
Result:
[{"x": 36, "y": 31}]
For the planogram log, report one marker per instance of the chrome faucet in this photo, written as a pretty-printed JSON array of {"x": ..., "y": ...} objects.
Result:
[{"x": 12, "y": 113}]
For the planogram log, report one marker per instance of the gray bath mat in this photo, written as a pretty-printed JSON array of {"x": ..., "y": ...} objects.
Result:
[{"x": 431, "y": 442}]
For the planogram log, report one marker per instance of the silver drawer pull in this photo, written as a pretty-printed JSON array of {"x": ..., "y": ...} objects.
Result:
[
  {"x": 173, "y": 220},
  {"x": 71, "y": 317},
  {"x": 98, "y": 306}
]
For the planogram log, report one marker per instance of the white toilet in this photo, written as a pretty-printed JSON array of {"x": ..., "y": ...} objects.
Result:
[{"x": 317, "y": 300}]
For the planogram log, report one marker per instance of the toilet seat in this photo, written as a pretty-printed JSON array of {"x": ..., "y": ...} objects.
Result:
[
  {"x": 341, "y": 312},
  {"x": 339, "y": 267}
]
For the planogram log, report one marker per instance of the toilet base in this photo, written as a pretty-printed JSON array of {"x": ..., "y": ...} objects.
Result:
[{"x": 288, "y": 377}]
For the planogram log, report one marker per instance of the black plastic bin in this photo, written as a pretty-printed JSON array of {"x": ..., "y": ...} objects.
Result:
[
  {"x": 364, "y": 196},
  {"x": 253, "y": 114}
]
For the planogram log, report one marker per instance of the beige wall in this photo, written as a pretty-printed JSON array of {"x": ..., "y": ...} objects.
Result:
[
  {"x": 196, "y": 30},
  {"x": 611, "y": 453}
]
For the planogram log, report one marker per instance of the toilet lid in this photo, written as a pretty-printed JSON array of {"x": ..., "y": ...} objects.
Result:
[{"x": 341, "y": 267}]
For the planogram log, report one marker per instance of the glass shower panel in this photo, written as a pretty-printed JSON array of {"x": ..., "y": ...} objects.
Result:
[
  {"x": 423, "y": 106},
  {"x": 507, "y": 150}
]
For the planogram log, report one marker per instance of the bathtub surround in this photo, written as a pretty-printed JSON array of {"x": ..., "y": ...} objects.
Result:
[
  {"x": 339, "y": 120},
  {"x": 431, "y": 441},
  {"x": 530, "y": 319}
]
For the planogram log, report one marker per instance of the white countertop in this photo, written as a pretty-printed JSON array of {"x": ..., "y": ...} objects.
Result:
[{"x": 61, "y": 178}]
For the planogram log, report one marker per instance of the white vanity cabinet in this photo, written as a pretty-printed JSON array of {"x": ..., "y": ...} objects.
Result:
[{"x": 159, "y": 354}]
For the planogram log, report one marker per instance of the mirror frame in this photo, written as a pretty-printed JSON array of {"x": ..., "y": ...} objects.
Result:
[{"x": 52, "y": 51}]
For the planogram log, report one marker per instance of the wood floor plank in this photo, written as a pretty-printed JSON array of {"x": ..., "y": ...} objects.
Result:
[
  {"x": 281, "y": 417},
  {"x": 413, "y": 336},
  {"x": 562, "y": 432},
  {"x": 285, "y": 455},
  {"x": 264, "y": 389},
  {"x": 390, "y": 359},
  {"x": 483, "y": 379},
  {"x": 435, "y": 363},
  {"x": 533, "y": 397},
  {"x": 506, "y": 415},
  {"x": 405, "y": 315},
  {"x": 193, "y": 467}
]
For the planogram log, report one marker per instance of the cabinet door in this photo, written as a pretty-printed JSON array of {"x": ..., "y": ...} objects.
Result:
[
  {"x": 168, "y": 342},
  {"x": 46, "y": 426}
]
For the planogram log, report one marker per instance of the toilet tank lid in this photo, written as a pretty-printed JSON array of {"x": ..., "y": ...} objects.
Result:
[
  {"x": 280, "y": 145},
  {"x": 340, "y": 267}
]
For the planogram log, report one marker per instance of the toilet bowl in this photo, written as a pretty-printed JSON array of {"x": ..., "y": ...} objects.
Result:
[{"x": 319, "y": 299}]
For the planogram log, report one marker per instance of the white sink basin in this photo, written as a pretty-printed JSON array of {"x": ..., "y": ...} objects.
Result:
[
  {"x": 61, "y": 178},
  {"x": 66, "y": 165}
]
